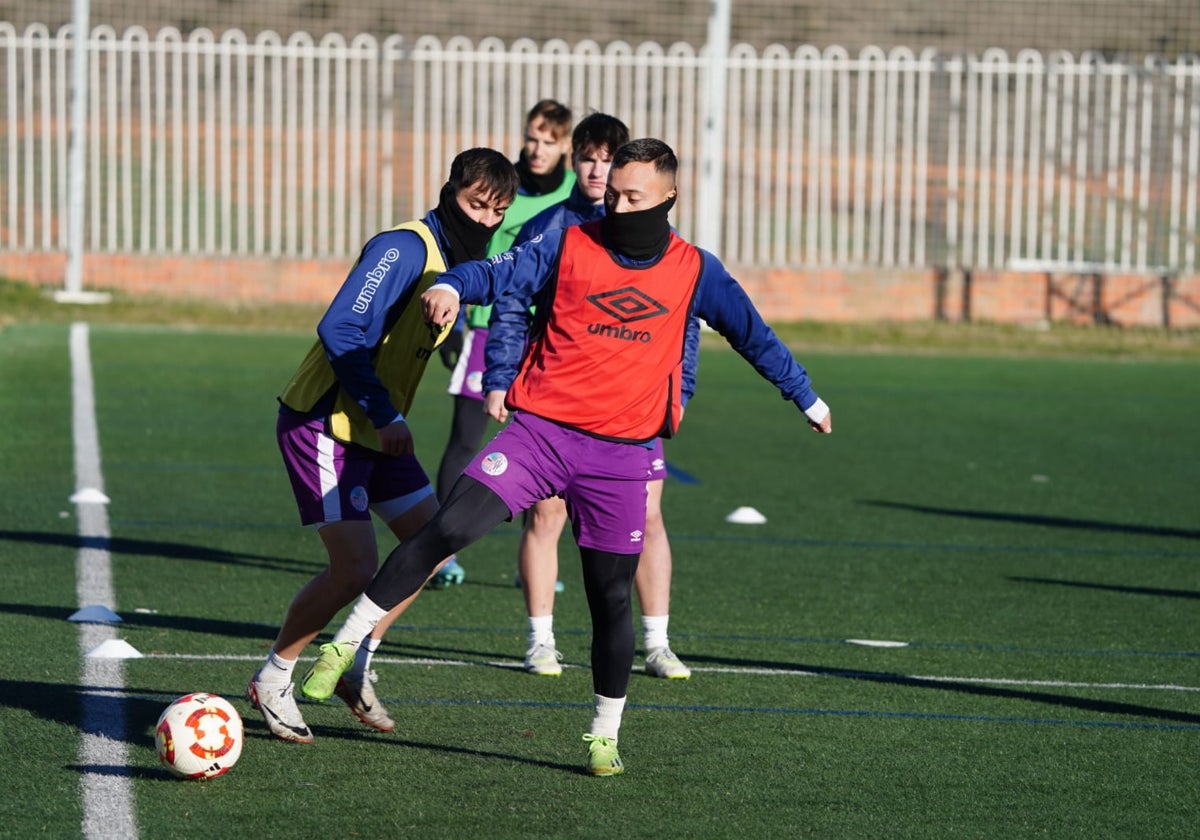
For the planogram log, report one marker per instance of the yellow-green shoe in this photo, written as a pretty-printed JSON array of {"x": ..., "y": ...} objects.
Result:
[
  {"x": 602, "y": 756},
  {"x": 322, "y": 678}
]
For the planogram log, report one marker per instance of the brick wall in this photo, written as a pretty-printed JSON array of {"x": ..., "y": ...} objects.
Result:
[{"x": 831, "y": 295}]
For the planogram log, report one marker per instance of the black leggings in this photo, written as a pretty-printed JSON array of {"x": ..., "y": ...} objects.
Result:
[
  {"x": 467, "y": 428},
  {"x": 470, "y": 511},
  {"x": 608, "y": 582}
]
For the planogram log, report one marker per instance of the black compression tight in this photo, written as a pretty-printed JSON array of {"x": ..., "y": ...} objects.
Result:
[
  {"x": 608, "y": 582},
  {"x": 471, "y": 510},
  {"x": 467, "y": 428}
]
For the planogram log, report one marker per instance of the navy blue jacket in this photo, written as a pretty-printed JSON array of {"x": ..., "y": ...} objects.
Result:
[
  {"x": 519, "y": 274},
  {"x": 351, "y": 337}
]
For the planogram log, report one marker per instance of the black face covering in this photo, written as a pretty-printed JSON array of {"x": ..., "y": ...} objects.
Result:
[
  {"x": 468, "y": 238},
  {"x": 639, "y": 234},
  {"x": 540, "y": 184}
]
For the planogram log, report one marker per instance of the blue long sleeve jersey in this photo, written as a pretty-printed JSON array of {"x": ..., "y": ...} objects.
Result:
[
  {"x": 520, "y": 274},
  {"x": 511, "y": 317},
  {"x": 371, "y": 298}
]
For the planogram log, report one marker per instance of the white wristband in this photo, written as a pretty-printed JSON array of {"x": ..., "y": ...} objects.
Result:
[{"x": 818, "y": 411}]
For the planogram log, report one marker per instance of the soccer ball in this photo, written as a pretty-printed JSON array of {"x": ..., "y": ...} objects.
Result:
[{"x": 199, "y": 736}]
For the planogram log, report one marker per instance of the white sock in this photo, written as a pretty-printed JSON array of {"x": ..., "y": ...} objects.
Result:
[
  {"x": 276, "y": 671},
  {"x": 541, "y": 630},
  {"x": 654, "y": 629},
  {"x": 361, "y": 621},
  {"x": 362, "y": 658},
  {"x": 607, "y": 720}
]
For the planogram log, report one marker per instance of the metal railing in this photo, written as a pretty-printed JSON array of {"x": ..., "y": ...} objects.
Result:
[{"x": 226, "y": 146}]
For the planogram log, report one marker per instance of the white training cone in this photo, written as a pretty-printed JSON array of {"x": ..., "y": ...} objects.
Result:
[
  {"x": 96, "y": 613},
  {"x": 746, "y": 516},
  {"x": 114, "y": 649},
  {"x": 89, "y": 496}
]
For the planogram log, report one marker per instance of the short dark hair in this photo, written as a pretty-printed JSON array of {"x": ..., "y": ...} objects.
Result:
[
  {"x": 554, "y": 114},
  {"x": 485, "y": 166},
  {"x": 647, "y": 150},
  {"x": 599, "y": 131}
]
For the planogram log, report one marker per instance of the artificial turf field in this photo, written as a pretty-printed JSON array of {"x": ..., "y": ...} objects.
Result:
[{"x": 1028, "y": 528}]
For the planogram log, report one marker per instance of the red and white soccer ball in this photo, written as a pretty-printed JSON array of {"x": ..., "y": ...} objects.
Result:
[{"x": 199, "y": 736}]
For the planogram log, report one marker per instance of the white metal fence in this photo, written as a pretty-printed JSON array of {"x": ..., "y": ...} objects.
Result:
[{"x": 202, "y": 145}]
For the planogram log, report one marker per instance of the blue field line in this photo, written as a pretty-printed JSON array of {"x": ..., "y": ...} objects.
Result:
[
  {"x": 510, "y": 528},
  {"x": 785, "y": 710},
  {"x": 680, "y": 475},
  {"x": 810, "y": 640},
  {"x": 919, "y": 546}
]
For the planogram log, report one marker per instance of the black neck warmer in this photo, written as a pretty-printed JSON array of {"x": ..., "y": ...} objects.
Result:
[
  {"x": 639, "y": 234},
  {"x": 468, "y": 238},
  {"x": 540, "y": 184}
]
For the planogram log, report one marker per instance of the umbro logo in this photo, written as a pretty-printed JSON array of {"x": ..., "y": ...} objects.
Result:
[{"x": 627, "y": 304}]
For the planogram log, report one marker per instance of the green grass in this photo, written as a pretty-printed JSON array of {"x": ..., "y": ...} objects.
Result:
[{"x": 1025, "y": 521}]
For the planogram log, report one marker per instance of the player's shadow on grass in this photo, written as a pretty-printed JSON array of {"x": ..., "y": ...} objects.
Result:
[
  {"x": 1109, "y": 587},
  {"x": 162, "y": 548},
  {"x": 186, "y": 623},
  {"x": 361, "y": 734},
  {"x": 1045, "y": 521},
  {"x": 124, "y": 772},
  {"x": 1107, "y": 707},
  {"x": 122, "y": 715},
  {"x": 487, "y": 659}
]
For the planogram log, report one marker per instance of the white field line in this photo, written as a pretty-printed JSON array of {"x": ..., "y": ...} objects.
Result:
[
  {"x": 758, "y": 672},
  {"x": 105, "y": 789}
]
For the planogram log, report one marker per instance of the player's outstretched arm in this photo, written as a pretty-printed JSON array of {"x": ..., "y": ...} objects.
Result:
[{"x": 724, "y": 304}]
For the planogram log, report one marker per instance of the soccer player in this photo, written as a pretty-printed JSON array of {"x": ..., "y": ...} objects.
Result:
[
  {"x": 341, "y": 429},
  {"x": 601, "y": 379},
  {"x": 544, "y": 180},
  {"x": 594, "y": 141}
]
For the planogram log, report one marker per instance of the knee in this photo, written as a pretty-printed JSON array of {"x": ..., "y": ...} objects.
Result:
[
  {"x": 546, "y": 519},
  {"x": 655, "y": 527},
  {"x": 350, "y": 576}
]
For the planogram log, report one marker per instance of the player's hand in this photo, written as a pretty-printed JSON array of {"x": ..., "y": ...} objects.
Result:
[
  {"x": 439, "y": 307},
  {"x": 493, "y": 405},
  {"x": 396, "y": 439},
  {"x": 825, "y": 427}
]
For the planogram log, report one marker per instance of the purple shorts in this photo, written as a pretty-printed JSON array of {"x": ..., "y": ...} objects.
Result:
[
  {"x": 467, "y": 378},
  {"x": 658, "y": 461},
  {"x": 337, "y": 482},
  {"x": 602, "y": 482}
]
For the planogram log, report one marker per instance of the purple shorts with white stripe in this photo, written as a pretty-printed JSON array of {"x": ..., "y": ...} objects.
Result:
[
  {"x": 337, "y": 482},
  {"x": 467, "y": 378}
]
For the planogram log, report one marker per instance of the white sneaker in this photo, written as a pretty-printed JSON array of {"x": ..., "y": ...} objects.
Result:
[
  {"x": 661, "y": 662},
  {"x": 279, "y": 710},
  {"x": 360, "y": 697},
  {"x": 544, "y": 660}
]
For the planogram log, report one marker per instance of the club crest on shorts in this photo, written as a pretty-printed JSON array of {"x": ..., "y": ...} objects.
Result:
[
  {"x": 494, "y": 463},
  {"x": 358, "y": 498}
]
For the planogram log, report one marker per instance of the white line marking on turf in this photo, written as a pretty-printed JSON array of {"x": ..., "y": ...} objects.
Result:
[
  {"x": 758, "y": 672},
  {"x": 105, "y": 789},
  {"x": 879, "y": 643}
]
